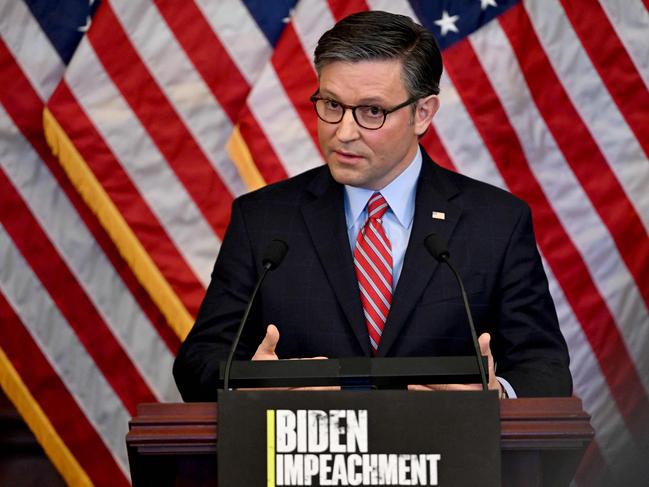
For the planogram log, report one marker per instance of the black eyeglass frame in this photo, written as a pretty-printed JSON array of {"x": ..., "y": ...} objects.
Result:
[{"x": 386, "y": 111}]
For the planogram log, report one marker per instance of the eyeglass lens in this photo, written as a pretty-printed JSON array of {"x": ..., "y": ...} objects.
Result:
[{"x": 370, "y": 117}]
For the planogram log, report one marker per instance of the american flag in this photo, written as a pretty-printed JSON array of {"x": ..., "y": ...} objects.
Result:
[{"x": 127, "y": 127}]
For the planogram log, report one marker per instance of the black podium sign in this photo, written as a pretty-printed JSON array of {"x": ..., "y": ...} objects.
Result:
[{"x": 282, "y": 438}]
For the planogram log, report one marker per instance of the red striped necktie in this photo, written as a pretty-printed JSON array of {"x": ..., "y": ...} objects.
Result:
[{"x": 373, "y": 264}]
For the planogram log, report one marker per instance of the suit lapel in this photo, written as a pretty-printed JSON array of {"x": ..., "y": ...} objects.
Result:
[
  {"x": 324, "y": 217},
  {"x": 434, "y": 192}
]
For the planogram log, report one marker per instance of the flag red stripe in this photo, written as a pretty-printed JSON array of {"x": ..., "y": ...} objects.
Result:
[
  {"x": 167, "y": 130},
  {"x": 126, "y": 198},
  {"x": 26, "y": 111},
  {"x": 70, "y": 298},
  {"x": 567, "y": 264},
  {"x": 52, "y": 396},
  {"x": 297, "y": 77},
  {"x": 207, "y": 54},
  {"x": 341, "y": 10},
  {"x": 592, "y": 469},
  {"x": 266, "y": 159},
  {"x": 579, "y": 148},
  {"x": 436, "y": 150},
  {"x": 613, "y": 64}
]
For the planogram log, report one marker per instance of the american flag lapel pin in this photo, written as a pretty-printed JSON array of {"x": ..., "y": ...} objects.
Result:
[{"x": 439, "y": 215}]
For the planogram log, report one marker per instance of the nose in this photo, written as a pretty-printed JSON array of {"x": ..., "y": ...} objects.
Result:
[{"x": 348, "y": 129}]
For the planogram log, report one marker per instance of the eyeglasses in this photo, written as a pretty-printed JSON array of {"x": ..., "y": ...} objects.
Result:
[{"x": 369, "y": 117}]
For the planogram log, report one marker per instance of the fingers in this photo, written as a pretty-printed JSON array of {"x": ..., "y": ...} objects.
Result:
[
  {"x": 309, "y": 358},
  {"x": 270, "y": 341},
  {"x": 266, "y": 349},
  {"x": 484, "y": 341},
  {"x": 444, "y": 387},
  {"x": 313, "y": 388},
  {"x": 316, "y": 388}
]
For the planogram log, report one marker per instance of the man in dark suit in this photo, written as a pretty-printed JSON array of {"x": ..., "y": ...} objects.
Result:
[{"x": 359, "y": 282}]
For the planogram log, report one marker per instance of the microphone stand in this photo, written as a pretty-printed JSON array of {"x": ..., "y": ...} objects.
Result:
[
  {"x": 273, "y": 257},
  {"x": 437, "y": 249}
]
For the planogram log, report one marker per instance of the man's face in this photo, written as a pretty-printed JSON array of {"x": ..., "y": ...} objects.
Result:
[{"x": 370, "y": 158}]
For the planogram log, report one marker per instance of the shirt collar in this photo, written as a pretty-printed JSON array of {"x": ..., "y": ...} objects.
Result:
[{"x": 399, "y": 195}]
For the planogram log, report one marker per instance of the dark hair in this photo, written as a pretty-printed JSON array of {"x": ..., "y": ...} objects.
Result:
[{"x": 376, "y": 35}]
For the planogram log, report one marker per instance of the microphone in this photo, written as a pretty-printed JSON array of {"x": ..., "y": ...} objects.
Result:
[
  {"x": 437, "y": 248},
  {"x": 274, "y": 255},
  {"x": 272, "y": 258}
]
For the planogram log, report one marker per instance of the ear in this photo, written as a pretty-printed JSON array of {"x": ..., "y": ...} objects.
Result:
[{"x": 425, "y": 109}]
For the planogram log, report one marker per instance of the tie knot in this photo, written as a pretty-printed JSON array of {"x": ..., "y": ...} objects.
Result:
[{"x": 376, "y": 206}]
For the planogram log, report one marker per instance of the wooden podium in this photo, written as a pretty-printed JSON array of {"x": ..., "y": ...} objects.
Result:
[{"x": 542, "y": 442}]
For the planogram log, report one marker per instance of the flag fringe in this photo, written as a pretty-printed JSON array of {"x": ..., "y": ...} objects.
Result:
[
  {"x": 238, "y": 151},
  {"x": 131, "y": 249},
  {"x": 58, "y": 453}
]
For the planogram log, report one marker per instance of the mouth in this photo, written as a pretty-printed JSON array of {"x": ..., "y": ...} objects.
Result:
[{"x": 347, "y": 157}]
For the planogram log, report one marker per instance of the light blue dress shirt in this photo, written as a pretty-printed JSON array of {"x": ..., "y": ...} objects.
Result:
[{"x": 397, "y": 221}]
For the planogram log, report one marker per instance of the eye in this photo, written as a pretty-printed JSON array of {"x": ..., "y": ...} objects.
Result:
[
  {"x": 371, "y": 111},
  {"x": 331, "y": 104}
]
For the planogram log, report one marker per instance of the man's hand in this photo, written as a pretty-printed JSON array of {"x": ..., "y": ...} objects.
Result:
[
  {"x": 266, "y": 349},
  {"x": 493, "y": 383}
]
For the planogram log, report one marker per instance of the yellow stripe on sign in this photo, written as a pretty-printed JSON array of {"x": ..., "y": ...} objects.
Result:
[
  {"x": 59, "y": 454},
  {"x": 113, "y": 221},
  {"x": 270, "y": 447}
]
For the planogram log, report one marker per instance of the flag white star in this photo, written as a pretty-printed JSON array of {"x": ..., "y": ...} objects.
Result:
[
  {"x": 84, "y": 28},
  {"x": 291, "y": 13},
  {"x": 447, "y": 23},
  {"x": 487, "y": 3}
]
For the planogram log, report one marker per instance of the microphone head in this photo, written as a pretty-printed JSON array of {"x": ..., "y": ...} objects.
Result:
[
  {"x": 275, "y": 253},
  {"x": 436, "y": 247}
]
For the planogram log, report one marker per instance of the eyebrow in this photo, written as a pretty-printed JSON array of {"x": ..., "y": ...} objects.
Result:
[{"x": 364, "y": 101}]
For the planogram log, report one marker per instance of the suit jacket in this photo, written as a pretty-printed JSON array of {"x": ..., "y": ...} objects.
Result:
[{"x": 313, "y": 296}]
